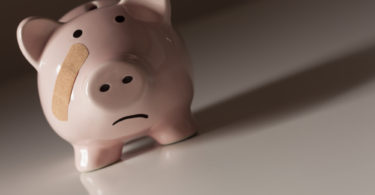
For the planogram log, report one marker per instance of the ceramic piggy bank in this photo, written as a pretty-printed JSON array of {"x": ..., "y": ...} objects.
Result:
[{"x": 111, "y": 71}]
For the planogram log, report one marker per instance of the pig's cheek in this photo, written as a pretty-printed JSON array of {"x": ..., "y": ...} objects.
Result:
[{"x": 109, "y": 88}]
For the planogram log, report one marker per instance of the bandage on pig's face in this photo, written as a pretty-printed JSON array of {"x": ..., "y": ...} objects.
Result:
[{"x": 73, "y": 62}]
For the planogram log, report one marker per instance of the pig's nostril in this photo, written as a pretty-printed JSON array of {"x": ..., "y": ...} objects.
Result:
[
  {"x": 104, "y": 88},
  {"x": 127, "y": 79}
]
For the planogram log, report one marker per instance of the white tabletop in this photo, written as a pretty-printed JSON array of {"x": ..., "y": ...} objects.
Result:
[{"x": 284, "y": 101}]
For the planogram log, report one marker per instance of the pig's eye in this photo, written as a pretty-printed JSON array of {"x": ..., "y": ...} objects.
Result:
[
  {"x": 119, "y": 19},
  {"x": 77, "y": 33},
  {"x": 104, "y": 88},
  {"x": 127, "y": 79}
]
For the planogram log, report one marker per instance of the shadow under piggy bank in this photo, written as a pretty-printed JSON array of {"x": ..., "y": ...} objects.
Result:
[{"x": 291, "y": 95}]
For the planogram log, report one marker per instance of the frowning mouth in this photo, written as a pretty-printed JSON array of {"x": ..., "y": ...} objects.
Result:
[{"x": 130, "y": 117}]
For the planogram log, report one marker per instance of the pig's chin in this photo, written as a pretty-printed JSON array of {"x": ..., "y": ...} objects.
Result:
[{"x": 130, "y": 117}]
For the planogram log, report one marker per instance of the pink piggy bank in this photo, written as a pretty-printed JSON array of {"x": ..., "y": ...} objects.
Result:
[{"x": 110, "y": 72}]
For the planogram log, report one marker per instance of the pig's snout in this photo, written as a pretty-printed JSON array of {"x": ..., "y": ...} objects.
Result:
[{"x": 116, "y": 85}]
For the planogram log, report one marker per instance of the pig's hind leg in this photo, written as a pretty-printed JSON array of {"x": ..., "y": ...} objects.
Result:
[{"x": 175, "y": 128}]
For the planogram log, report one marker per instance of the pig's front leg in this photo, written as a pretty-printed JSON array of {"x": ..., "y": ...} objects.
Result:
[
  {"x": 174, "y": 129},
  {"x": 95, "y": 156}
]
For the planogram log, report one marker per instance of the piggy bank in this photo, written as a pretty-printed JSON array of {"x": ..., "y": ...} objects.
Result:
[{"x": 110, "y": 72}]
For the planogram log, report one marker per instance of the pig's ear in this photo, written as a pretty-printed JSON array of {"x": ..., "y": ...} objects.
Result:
[
  {"x": 32, "y": 36},
  {"x": 148, "y": 10}
]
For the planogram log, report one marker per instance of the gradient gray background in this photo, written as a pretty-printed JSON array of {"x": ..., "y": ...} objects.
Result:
[{"x": 284, "y": 101}]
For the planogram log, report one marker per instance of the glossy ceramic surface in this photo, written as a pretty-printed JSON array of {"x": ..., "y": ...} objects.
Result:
[{"x": 134, "y": 82}]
